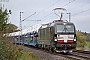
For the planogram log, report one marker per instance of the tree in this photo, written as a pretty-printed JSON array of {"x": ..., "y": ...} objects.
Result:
[
  {"x": 81, "y": 39},
  {"x": 4, "y": 27},
  {"x": 3, "y": 19},
  {"x": 11, "y": 28}
]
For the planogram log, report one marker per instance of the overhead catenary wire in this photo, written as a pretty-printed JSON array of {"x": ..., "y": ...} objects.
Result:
[
  {"x": 73, "y": 14},
  {"x": 62, "y": 6},
  {"x": 76, "y": 7},
  {"x": 57, "y": 15},
  {"x": 29, "y": 16},
  {"x": 80, "y": 12},
  {"x": 42, "y": 11},
  {"x": 49, "y": 6},
  {"x": 46, "y": 15},
  {"x": 52, "y": 5},
  {"x": 79, "y": 6},
  {"x": 68, "y": 3},
  {"x": 55, "y": 3},
  {"x": 42, "y": 17}
]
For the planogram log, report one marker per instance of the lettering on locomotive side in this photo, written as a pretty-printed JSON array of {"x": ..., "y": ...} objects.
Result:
[{"x": 4, "y": 0}]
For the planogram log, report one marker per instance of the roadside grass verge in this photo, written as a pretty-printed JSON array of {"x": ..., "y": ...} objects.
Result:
[
  {"x": 26, "y": 55},
  {"x": 88, "y": 44},
  {"x": 10, "y": 51},
  {"x": 82, "y": 48}
]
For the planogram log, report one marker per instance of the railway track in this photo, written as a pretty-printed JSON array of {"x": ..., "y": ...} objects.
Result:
[
  {"x": 75, "y": 56},
  {"x": 82, "y": 54},
  {"x": 72, "y": 56},
  {"x": 80, "y": 51}
]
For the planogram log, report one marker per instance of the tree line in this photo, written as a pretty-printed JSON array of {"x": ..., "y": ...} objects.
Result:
[
  {"x": 82, "y": 38},
  {"x": 5, "y": 26}
]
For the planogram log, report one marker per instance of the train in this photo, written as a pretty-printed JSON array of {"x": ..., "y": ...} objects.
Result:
[{"x": 56, "y": 36}]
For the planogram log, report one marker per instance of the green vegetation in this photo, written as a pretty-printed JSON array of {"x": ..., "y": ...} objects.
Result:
[
  {"x": 6, "y": 27},
  {"x": 11, "y": 28},
  {"x": 27, "y": 56},
  {"x": 83, "y": 39},
  {"x": 3, "y": 19},
  {"x": 8, "y": 51},
  {"x": 88, "y": 44}
]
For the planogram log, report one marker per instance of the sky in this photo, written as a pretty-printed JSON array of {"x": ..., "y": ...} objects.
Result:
[{"x": 41, "y": 11}]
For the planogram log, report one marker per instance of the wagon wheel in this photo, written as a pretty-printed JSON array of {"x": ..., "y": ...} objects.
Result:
[{"x": 50, "y": 49}]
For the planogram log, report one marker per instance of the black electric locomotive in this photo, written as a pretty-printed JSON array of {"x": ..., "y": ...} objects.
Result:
[{"x": 57, "y": 36}]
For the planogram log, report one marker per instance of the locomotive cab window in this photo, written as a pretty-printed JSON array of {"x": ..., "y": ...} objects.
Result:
[
  {"x": 69, "y": 28},
  {"x": 65, "y": 28},
  {"x": 60, "y": 28}
]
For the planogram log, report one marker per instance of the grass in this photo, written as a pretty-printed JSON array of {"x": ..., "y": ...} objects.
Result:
[
  {"x": 82, "y": 48},
  {"x": 8, "y": 51},
  {"x": 79, "y": 48},
  {"x": 88, "y": 44},
  {"x": 26, "y": 55}
]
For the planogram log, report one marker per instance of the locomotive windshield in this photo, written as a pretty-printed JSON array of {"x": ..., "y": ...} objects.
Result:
[
  {"x": 60, "y": 28},
  {"x": 69, "y": 28},
  {"x": 65, "y": 28}
]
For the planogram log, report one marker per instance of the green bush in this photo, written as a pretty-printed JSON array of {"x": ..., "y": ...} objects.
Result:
[
  {"x": 26, "y": 55},
  {"x": 9, "y": 51},
  {"x": 88, "y": 44}
]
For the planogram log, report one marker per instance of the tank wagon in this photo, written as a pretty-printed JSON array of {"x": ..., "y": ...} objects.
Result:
[{"x": 57, "y": 36}]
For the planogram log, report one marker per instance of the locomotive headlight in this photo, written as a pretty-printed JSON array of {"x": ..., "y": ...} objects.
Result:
[
  {"x": 74, "y": 39},
  {"x": 55, "y": 39}
]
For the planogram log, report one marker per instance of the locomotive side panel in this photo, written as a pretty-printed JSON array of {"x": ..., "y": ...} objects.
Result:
[{"x": 44, "y": 36}]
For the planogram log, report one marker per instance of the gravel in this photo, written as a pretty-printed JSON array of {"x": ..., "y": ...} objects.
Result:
[{"x": 43, "y": 55}]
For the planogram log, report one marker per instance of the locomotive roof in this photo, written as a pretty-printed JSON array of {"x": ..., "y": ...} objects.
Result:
[
  {"x": 61, "y": 23},
  {"x": 52, "y": 24}
]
